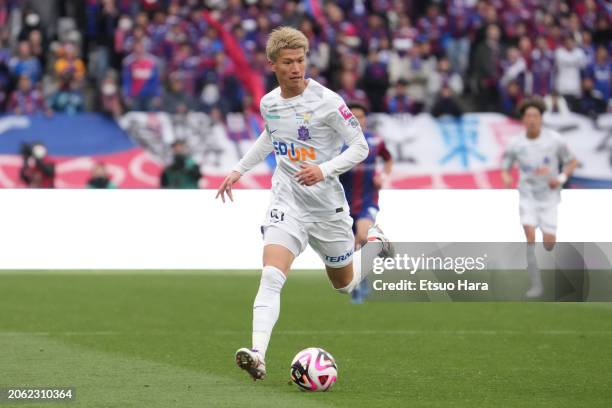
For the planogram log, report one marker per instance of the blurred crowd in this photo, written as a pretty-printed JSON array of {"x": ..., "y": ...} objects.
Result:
[{"x": 445, "y": 57}]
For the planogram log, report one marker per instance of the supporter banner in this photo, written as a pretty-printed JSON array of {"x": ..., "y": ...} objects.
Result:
[
  {"x": 216, "y": 145},
  {"x": 428, "y": 152},
  {"x": 75, "y": 143}
]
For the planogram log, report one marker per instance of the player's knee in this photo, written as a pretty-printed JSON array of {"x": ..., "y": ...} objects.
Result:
[
  {"x": 549, "y": 243},
  {"x": 340, "y": 284}
]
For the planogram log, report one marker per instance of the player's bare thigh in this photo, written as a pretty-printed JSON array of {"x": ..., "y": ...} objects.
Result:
[
  {"x": 362, "y": 225},
  {"x": 340, "y": 277},
  {"x": 278, "y": 256},
  {"x": 530, "y": 233}
]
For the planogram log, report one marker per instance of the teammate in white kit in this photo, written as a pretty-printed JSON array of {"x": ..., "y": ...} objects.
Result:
[
  {"x": 545, "y": 163},
  {"x": 306, "y": 127}
]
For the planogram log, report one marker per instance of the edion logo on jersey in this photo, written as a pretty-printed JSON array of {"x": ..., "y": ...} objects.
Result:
[
  {"x": 295, "y": 153},
  {"x": 339, "y": 258}
]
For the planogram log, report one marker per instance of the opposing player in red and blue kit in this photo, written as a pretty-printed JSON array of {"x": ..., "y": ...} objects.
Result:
[{"x": 361, "y": 185}]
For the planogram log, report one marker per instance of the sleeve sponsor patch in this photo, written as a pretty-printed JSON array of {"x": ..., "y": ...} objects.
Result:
[{"x": 345, "y": 112}]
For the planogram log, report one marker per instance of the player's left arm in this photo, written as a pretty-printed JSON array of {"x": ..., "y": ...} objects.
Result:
[
  {"x": 569, "y": 165},
  {"x": 346, "y": 125}
]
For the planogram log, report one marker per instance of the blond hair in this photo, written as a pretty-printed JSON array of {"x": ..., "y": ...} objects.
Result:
[{"x": 285, "y": 38}]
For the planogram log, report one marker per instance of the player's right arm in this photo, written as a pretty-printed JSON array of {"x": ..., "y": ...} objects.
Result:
[
  {"x": 256, "y": 154},
  {"x": 568, "y": 162}
]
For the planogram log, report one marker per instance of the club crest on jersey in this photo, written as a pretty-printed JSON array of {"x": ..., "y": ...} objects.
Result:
[{"x": 303, "y": 133}]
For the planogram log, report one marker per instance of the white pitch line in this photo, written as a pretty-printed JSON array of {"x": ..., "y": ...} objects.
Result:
[{"x": 316, "y": 332}]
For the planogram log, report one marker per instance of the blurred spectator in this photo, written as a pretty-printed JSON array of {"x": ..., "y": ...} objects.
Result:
[
  {"x": 569, "y": 60},
  {"x": 31, "y": 22},
  {"x": 183, "y": 172},
  {"x": 175, "y": 99},
  {"x": 514, "y": 69},
  {"x": 398, "y": 100},
  {"x": 446, "y": 104},
  {"x": 110, "y": 100},
  {"x": 68, "y": 64},
  {"x": 556, "y": 103},
  {"x": 210, "y": 98},
  {"x": 141, "y": 85},
  {"x": 458, "y": 44},
  {"x": 375, "y": 79},
  {"x": 349, "y": 91},
  {"x": 542, "y": 65},
  {"x": 486, "y": 69},
  {"x": 100, "y": 178},
  {"x": 25, "y": 64},
  {"x": 102, "y": 31},
  {"x": 37, "y": 47},
  {"x": 318, "y": 55},
  {"x": 434, "y": 25},
  {"x": 5, "y": 75},
  {"x": 121, "y": 35},
  {"x": 587, "y": 11},
  {"x": 403, "y": 40},
  {"x": 586, "y": 44},
  {"x": 512, "y": 17},
  {"x": 591, "y": 103},
  {"x": 38, "y": 169},
  {"x": 444, "y": 77},
  {"x": 27, "y": 99},
  {"x": 421, "y": 64},
  {"x": 602, "y": 35},
  {"x": 69, "y": 97},
  {"x": 511, "y": 97},
  {"x": 601, "y": 73}
]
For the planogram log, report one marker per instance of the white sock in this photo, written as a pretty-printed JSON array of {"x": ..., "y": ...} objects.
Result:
[
  {"x": 266, "y": 307},
  {"x": 358, "y": 272},
  {"x": 532, "y": 267}
]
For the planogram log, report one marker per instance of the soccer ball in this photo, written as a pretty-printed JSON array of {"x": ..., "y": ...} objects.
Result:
[{"x": 314, "y": 369}]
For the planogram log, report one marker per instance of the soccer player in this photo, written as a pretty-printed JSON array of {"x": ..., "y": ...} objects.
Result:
[
  {"x": 306, "y": 127},
  {"x": 361, "y": 185},
  {"x": 545, "y": 163}
]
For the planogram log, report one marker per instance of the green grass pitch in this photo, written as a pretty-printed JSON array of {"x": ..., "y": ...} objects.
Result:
[{"x": 165, "y": 339}]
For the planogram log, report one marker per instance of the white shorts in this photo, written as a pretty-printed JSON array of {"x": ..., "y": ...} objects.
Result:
[
  {"x": 537, "y": 214},
  {"x": 333, "y": 240}
]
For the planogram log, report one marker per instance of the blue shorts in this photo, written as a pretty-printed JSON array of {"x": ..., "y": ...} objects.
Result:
[{"x": 368, "y": 212}]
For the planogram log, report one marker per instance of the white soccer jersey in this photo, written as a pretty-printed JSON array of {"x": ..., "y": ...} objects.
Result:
[
  {"x": 538, "y": 160},
  {"x": 311, "y": 127}
]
